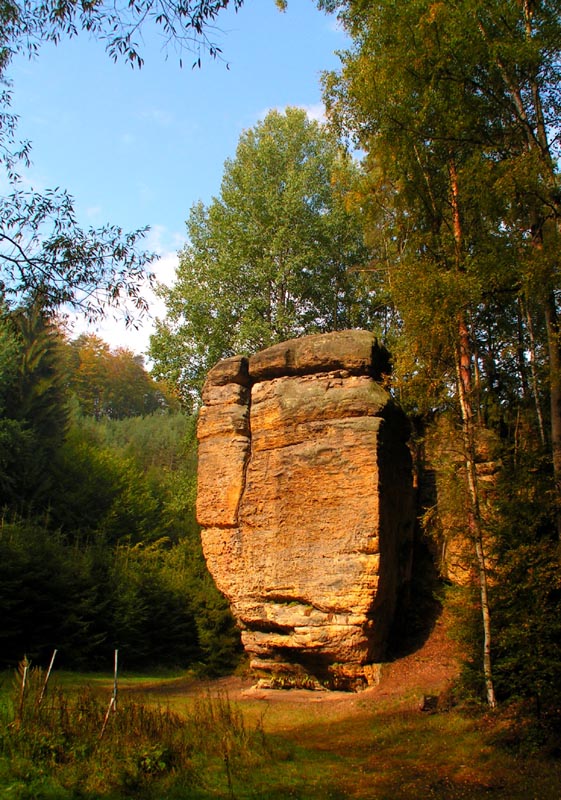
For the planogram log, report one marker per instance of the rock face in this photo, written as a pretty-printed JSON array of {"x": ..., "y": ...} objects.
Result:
[{"x": 305, "y": 502}]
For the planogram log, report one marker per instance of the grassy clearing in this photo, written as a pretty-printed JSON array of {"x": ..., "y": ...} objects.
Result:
[
  {"x": 73, "y": 745},
  {"x": 204, "y": 745}
]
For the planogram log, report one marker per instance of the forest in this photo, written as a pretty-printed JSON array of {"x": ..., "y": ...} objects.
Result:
[
  {"x": 99, "y": 544},
  {"x": 427, "y": 208}
]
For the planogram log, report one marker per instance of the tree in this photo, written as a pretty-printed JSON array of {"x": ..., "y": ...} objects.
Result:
[
  {"x": 521, "y": 42},
  {"x": 87, "y": 371},
  {"x": 500, "y": 61},
  {"x": 26, "y": 25},
  {"x": 45, "y": 255},
  {"x": 526, "y": 590},
  {"x": 392, "y": 96},
  {"x": 274, "y": 256},
  {"x": 34, "y": 406},
  {"x": 113, "y": 383},
  {"x": 47, "y": 258},
  {"x": 13, "y": 438},
  {"x": 456, "y": 106}
]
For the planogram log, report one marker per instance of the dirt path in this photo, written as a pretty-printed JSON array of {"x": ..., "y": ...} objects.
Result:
[{"x": 427, "y": 671}]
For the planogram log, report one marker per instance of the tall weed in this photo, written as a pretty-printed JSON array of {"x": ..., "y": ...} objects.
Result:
[{"x": 60, "y": 744}]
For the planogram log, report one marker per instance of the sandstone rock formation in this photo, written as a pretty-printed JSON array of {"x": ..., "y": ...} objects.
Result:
[{"x": 305, "y": 503}]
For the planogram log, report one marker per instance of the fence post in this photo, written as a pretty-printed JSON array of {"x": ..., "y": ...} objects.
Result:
[
  {"x": 113, "y": 702},
  {"x": 47, "y": 676}
]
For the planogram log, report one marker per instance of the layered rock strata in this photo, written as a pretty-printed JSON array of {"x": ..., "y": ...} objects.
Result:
[{"x": 305, "y": 503}]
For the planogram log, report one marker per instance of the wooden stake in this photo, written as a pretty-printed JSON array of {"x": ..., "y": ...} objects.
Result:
[
  {"x": 47, "y": 676},
  {"x": 115, "y": 670},
  {"x": 113, "y": 702},
  {"x": 25, "y": 663}
]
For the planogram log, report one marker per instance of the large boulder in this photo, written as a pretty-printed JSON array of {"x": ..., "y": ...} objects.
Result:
[{"x": 305, "y": 502}]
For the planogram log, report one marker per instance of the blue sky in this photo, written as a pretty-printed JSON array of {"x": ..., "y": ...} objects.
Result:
[{"x": 139, "y": 147}]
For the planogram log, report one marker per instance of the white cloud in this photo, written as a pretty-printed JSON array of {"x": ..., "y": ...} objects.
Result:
[
  {"x": 315, "y": 111},
  {"x": 157, "y": 116},
  {"x": 164, "y": 269},
  {"x": 163, "y": 241},
  {"x": 93, "y": 213},
  {"x": 113, "y": 329},
  {"x": 335, "y": 25}
]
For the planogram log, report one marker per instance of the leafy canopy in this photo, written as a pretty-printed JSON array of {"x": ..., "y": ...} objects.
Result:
[
  {"x": 276, "y": 255},
  {"x": 29, "y": 23}
]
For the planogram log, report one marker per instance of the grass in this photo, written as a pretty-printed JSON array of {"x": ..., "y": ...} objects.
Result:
[
  {"x": 202, "y": 745},
  {"x": 73, "y": 745}
]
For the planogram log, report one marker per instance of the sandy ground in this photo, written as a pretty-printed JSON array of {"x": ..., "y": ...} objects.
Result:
[{"x": 429, "y": 670}]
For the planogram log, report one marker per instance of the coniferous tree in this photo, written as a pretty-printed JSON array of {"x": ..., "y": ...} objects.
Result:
[{"x": 35, "y": 401}]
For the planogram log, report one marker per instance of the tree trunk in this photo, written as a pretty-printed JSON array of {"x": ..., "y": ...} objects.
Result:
[
  {"x": 534, "y": 373},
  {"x": 554, "y": 341},
  {"x": 465, "y": 394},
  {"x": 474, "y": 511}
]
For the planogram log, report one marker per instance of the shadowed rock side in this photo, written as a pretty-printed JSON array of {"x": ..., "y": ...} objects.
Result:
[{"x": 305, "y": 502}]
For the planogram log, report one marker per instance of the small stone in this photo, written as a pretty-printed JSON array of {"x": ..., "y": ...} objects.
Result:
[{"x": 429, "y": 704}]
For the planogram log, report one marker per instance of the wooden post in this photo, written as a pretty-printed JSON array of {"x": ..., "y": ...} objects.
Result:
[
  {"x": 47, "y": 676},
  {"x": 24, "y": 669},
  {"x": 113, "y": 702},
  {"x": 115, "y": 670}
]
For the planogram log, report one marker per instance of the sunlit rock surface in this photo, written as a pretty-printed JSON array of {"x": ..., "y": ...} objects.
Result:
[{"x": 305, "y": 502}]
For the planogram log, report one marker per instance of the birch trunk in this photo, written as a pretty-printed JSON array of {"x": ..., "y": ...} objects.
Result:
[{"x": 465, "y": 394}]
